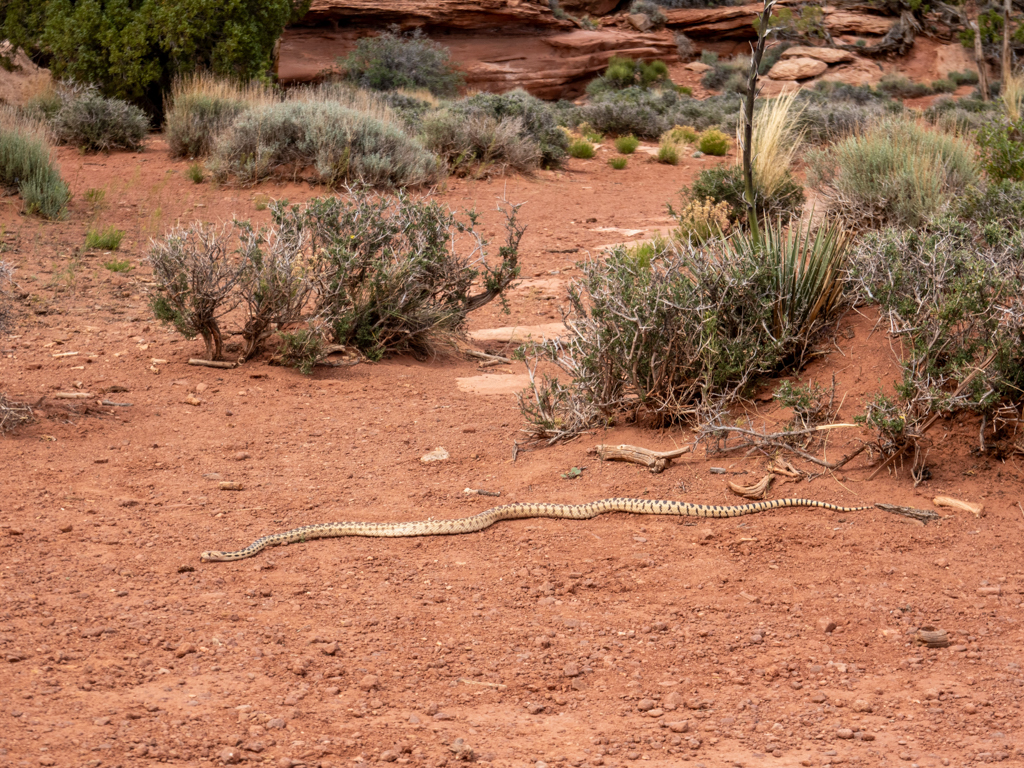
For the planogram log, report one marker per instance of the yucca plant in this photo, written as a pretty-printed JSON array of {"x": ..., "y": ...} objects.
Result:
[{"x": 810, "y": 264}]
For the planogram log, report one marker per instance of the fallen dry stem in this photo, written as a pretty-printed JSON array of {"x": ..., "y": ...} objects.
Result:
[{"x": 777, "y": 440}]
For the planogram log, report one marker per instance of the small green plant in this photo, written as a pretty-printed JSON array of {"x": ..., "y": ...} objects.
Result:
[
  {"x": 94, "y": 197},
  {"x": 812, "y": 404},
  {"x": 724, "y": 183},
  {"x": 65, "y": 279},
  {"x": 589, "y": 133},
  {"x": 260, "y": 201},
  {"x": 618, "y": 163},
  {"x": 668, "y": 153},
  {"x": 195, "y": 173},
  {"x": 713, "y": 142},
  {"x": 900, "y": 87},
  {"x": 624, "y": 72},
  {"x": 581, "y": 149},
  {"x": 627, "y": 144},
  {"x": 118, "y": 265},
  {"x": 681, "y": 134},
  {"x": 108, "y": 239}
]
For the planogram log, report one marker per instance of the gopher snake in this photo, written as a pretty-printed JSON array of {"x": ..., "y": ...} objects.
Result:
[{"x": 513, "y": 512}]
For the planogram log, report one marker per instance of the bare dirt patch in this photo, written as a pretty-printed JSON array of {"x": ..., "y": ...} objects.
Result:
[{"x": 785, "y": 638}]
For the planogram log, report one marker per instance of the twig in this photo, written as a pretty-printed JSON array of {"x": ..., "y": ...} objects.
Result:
[
  {"x": 118, "y": 405},
  {"x": 467, "y": 681},
  {"x": 212, "y": 363},
  {"x": 771, "y": 440},
  {"x": 924, "y": 515},
  {"x": 494, "y": 359},
  {"x": 72, "y": 395},
  {"x": 654, "y": 460}
]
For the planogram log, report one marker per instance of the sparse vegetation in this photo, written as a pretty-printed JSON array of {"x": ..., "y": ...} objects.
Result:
[
  {"x": 898, "y": 171},
  {"x": 203, "y": 106},
  {"x": 341, "y": 143},
  {"x": 118, "y": 265},
  {"x": 378, "y": 273},
  {"x": 624, "y": 72},
  {"x": 390, "y": 61},
  {"x": 668, "y": 153},
  {"x": 94, "y": 123},
  {"x": 26, "y": 165},
  {"x": 627, "y": 145},
  {"x": 724, "y": 184},
  {"x": 618, "y": 163},
  {"x": 713, "y": 142},
  {"x": 195, "y": 173},
  {"x": 95, "y": 197},
  {"x": 674, "y": 335},
  {"x": 700, "y": 220},
  {"x": 681, "y": 134},
  {"x": 108, "y": 239},
  {"x": 581, "y": 148}
]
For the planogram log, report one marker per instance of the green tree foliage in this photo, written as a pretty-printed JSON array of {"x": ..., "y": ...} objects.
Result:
[{"x": 132, "y": 49}]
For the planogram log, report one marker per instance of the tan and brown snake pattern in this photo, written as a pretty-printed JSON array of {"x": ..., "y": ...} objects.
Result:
[{"x": 513, "y": 512}]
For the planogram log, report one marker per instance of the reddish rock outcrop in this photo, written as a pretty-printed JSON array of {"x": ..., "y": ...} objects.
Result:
[
  {"x": 737, "y": 22},
  {"x": 549, "y": 66},
  {"x": 448, "y": 14},
  {"x": 828, "y": 55}
]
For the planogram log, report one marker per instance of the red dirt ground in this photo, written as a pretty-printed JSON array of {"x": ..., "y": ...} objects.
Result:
[{"x": 779, "y": 639}]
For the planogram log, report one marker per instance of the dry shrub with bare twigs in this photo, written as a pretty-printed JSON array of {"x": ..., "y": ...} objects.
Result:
[
  {"x": 12, "y": 413},
  {"x": 673, "y": 332},
  {"x": 382, "y": 274},
  {"x": 952, "y": 300}
]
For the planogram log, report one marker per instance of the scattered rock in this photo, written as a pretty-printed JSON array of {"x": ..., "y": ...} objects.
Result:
[
  {"x": 679, "y": 726},
  {"x": 639, "y": 21},
  {"x": 241, "y": 456},
  {"x": 438, "y": 454},
  {"x": 698, "y": 66},
  {"x": 800, "y": 68},
  {"x": 571, "y": 670},
  {"x": 645, "y": 705},
  {"x": 844, "y": 733},
  {"x": 826, "y": 625},
  {"x": 860, "y": 705},
  {"x": 369, "y": 682},
  {"x": 184, "y": 649},
  {"x": 230, "y": 755}
]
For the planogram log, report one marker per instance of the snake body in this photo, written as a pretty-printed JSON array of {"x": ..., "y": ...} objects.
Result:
[{"x": 513, "y": 512}]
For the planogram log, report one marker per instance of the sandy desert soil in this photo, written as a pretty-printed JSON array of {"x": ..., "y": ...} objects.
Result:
[{"x": 779, "y": 639}]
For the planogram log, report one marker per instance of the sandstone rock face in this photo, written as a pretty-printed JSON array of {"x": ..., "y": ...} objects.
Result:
[
  {"x": 859, "y": 23},
  {"x": 450, "y": 14},
  {"x": 800, "y": 68},
  {"x": 589, "y": 7},
  {"x": 828, "y": 55},
  {"x": 858, "y": 72},
  {"x": 640, "y": 21},
  {"x": 550, "y": 66},
  {"x": 729, "y": 22},
  {"x": 953, "y": 58}
]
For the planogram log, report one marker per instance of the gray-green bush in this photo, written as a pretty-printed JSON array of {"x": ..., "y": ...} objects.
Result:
[
  {"x": 26, "y": 165},
  {"x": 94, "y": 123},
  {"x": 897, "y": 171},
  {"x": 390, "y": 60},
  {"x": 340, "y": 143},
  {"x": 475, "y": 143}
]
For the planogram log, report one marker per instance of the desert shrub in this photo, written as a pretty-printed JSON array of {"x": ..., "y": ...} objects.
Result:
[
  {"x": 6, "y": 282},
  {"x": 900, "y": 87},
  {"x": 44, "y": 105},
  {"x": 108, "y": 239},
  {"x": 674, "y": 335},
  {"x": 954, "y": 299},
  {"x": 713, "y": 142},
  {"x": 897, "y": 171},
  {"x": 203, "y": 106},
  {"x": 94, "y": 123},
  {"x": 684, "y": 46},
  {"x": 195, "y": 278},
  {"x": 477, "y": 142},
  {"x": 727, "y": 76},
  {"x": 996, "y": 207},
  {"x": 118, "y": 265},
  {"x": 724, "y": 184},
  {"x": 134, "y": 50},
  {"x": 651, "y": 10},
  {"x": 27, "y": 166},
  {"x": 681, "y": 134},
  {"x": 195, "y": 173},
  {"x": 379, "y": 273},
  {"x": 963, "y": 116},
  {"x": 944, "y": 85},
  {"x": 537, "y": 120},
  {"x": 341, "y": 143},
  {"x": 624, "y": 72},
  {"x": 668, "y": 153},
  {"x": 627, "y": 145},
  {"x": 390, "y": 60},
  {"x": 387, "y": 274},
  {"x": 618, "y": 163},
  {"x": 647, "y": 114},
  {"x": 1001, "y": 141},
  {"x": 582, "y": 149},
  {"x": 964, "y": 78},
  {"x": 700, "y": 220},
  {"x": 832, "y": 111}
]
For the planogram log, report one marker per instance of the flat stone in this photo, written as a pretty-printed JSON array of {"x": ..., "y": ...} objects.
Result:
[
  {"x": 438, "y": 454},
  {"x": 698, "y": 66},
  {"x": 828, "y": 55},
  {"x": 800, "y": 68}
]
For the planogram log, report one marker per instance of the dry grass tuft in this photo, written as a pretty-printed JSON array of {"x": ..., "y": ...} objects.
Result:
[{"x": 776, "y": 141}]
